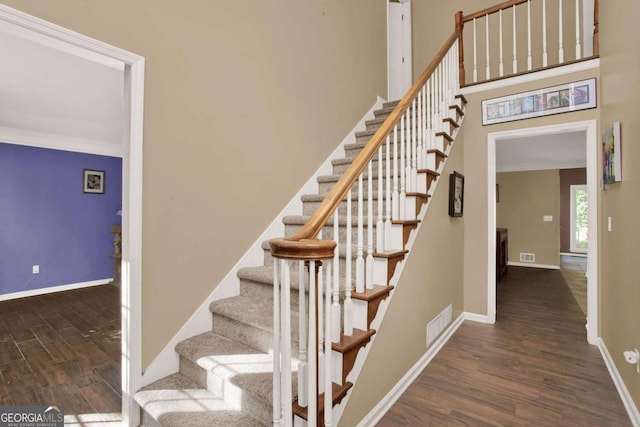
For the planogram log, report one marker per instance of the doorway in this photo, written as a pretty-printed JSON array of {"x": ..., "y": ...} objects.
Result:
[
  {"x": 400, "y": 73},
  {"x": 589, "y": 127},
  {"x": 49, "y": 34}
]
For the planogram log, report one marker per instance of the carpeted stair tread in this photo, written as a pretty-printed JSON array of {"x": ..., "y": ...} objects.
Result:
[
  {"x": 176, "y": 400},
  {"x": 204, "y": 348},
  {"x": 342, "y": 220},
  {"x": 264, "y": 274},
  {"x": 250, "y": 311}
]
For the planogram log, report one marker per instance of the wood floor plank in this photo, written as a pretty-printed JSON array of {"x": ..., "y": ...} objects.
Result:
[{"x": 532, "y": 367}]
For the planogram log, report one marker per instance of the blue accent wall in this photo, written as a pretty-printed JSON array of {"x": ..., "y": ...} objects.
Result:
[{"x": 47, "y": 220}]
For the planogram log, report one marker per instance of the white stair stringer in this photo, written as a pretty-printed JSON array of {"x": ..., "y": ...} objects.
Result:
[{"x": 361, "y": 307}]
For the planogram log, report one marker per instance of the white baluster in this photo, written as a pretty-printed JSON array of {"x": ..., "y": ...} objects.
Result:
[
  {"x": 578, "y": 45},
  {"x": 515, "y": 51},
  {"x": 411, "y": 184},
  {"x": 545, "y": 59},
  {"x": 369, "y": 261},
  {"x": 302, "y": 336},
  {"x": 486, "y": 26},
  {"x": 335, "y": 306},
  {"x": 560, "y": 35},
  {"x": 501, "y": 51},
  {"x": 395, "y": 208},
  {"x": 380, "y": 222},
  {"x": 287, "y": 395},
  {"x": 360, "y": 247},
  {"x": 420, "y": 131},
  {"x": 321, "y": 322},
  {"x": 312, "y": 408},
  {"x": 529, "y": 61},
  {"x": 277, "y": 357},
  {"x": 387, "y": 224},
  {"x": 425, "y": 131},
  {"x": 328, "y": 389},
  {"x": 475, "y": 53},
  {"x": 428, "y": 115},
  {"x": 405, "y": 133},
  {"x": 348, "y": 304}
]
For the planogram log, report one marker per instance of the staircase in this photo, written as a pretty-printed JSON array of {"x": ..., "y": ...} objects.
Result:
[{"x": 225, "y": 376}]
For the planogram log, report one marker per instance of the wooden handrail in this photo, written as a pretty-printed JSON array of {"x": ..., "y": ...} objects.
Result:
[
  {"x": 282, "y": 248},
  {"x": 492, "y": 9}
]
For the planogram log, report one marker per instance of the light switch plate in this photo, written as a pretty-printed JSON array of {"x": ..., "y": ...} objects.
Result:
[{"x": 548, "y": 218}]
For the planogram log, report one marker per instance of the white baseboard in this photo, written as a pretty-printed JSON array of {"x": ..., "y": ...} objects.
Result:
[
  {"x": 532, "y": 265},
  {"x": 53, "y": 289},
  {"x": 394, "y": 394},
  {"x": 166, "y": 362},
  {"x": 574, "y": 254},
  {"x": 479, "y": 318},
  {"x": 627, "y": 400}
]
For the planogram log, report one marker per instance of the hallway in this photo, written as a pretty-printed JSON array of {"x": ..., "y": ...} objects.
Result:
[{"x": 533, "y": 367}]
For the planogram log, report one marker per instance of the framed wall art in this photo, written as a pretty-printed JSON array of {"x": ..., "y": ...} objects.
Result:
[
  {"x": 564, "y": 98},
  {"x": 612, "y": 154},
  {"x": 93, "y": 181},
  {"x": 456, "y": 194}
]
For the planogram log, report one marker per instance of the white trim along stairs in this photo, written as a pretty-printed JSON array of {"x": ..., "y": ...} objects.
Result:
[{"x": 225, "y": 373}]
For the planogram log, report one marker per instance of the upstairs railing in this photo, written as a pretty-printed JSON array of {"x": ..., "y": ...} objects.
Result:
[
  {"x": 520, "y": 36},
  {"x": 359, "y": 217}
]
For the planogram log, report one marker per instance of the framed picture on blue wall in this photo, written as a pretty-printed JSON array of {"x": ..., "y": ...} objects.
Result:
[{"x": 93, "y": 181}]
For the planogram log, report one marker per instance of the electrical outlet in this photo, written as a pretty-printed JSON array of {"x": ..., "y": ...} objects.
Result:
[{"x": 35, "y": 269}]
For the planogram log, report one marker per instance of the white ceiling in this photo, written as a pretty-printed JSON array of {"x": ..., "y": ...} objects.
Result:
[
  {"x": 46, "y": 89},
  {"x": 561, "y": 151}
]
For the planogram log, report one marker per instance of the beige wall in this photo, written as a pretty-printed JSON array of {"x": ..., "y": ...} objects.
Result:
[
  {"x": 243, "y": 101},
  {"x": 525, "y": 197},
  {"x": 475, "y": 135},
  {"x": 620, "y": 287},
  {"x": 432, "y": 279}
]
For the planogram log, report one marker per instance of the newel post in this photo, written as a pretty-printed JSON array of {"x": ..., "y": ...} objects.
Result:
[
  {"x": 596, "y": 29},
  {"x": 459, "y": 28}
]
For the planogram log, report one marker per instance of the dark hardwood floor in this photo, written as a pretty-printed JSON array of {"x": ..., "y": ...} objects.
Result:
[
  {"x": 532, "y": 368},
  {"x": 64, "y": 349}
]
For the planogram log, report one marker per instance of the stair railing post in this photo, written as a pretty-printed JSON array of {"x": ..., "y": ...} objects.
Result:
[
  {"x": 302, "y": 336},
  {"x": 459, "y": 29},
  {"x": 277, "y": 357}
]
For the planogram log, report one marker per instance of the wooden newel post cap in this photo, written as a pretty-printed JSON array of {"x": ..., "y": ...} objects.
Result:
[{"x": 304, "y": 249}]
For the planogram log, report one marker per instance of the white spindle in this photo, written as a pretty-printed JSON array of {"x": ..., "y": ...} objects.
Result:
[
  {"x": 335, "y": 306},
  {"x": 475, "y": 53},
  {"x": 302, "y": 336},
  {"x": 501, "y": 51},
  {"x": 277, "y": 357},
  {"x": 287, "y": 395},
  {"x": 403, "y": 166},
  {"x": 369, "y": 261},
  {"x": 387, "y": 224},
  {"x": 529, "y": 61},
  {"x": 515, "y": 42},
  {"x": 321, "y": 322},
  {"x": 312, "y": 408},
  {"x": 560, "y": 35},
  {"x": 425, "y": 131},
  {"x": 414, "y": 142},
  {"x": 429, "y": 117},
  {"x": 380, "y": 222},
  {"x": 486, "y": 34},
  {"x": 360, "y": 247},
  {"x": 395, "y": 208},
  {"x": 328, "y": 395},
  {"x": 348, "y": 304},
  {"x": 578, "y": 45},
  {"x": 545, "y": 59}
]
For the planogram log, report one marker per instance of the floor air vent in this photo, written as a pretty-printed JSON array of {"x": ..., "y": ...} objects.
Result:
[
  {"x": 524, "y": 257},
  {"x": 438, "y": 324}
]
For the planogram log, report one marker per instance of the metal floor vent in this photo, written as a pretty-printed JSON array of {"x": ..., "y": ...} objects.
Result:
[
  {"x": 438, "y": 324},
  {"x": 525, "y": 257}
]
